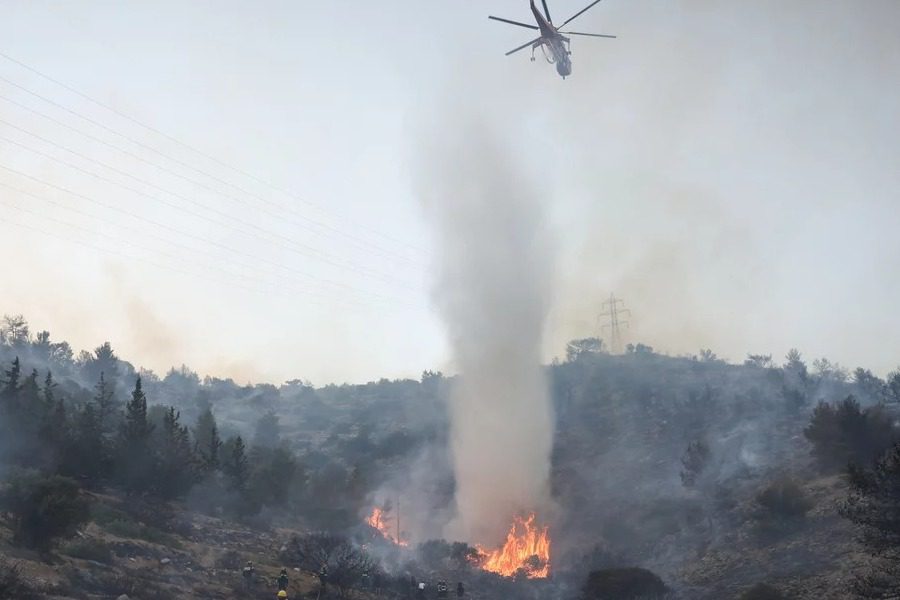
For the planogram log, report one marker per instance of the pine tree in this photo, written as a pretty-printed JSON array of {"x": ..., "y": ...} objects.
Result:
[
  {"x": 9, "y": 398},
  {"x": 177, "y": 463},
  {"x": 137, "y": 428},
  {"x": 49, "y": 394},
  {"x": 104, "y": 360},
  {"x": 11, "y": 382},
  {"x": 88, "y": 454},
  {"x": 207, "y": 442},
  {"x": 30, "y": 405},
  {"x": 53, "y": 417},
  {"x": 135, "y": 461},
  {"x": 105, "y": 405},
  {"x": 236, "y": 465}
]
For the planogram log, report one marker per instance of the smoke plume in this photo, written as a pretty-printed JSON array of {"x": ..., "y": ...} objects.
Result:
[{"x": 493, "y": 292}]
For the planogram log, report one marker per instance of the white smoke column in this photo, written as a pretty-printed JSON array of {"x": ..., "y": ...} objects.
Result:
[{"x": 494, "y": 280}]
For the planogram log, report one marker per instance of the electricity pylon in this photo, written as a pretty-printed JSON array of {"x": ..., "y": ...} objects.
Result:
[{"x": 612, "y": 309}]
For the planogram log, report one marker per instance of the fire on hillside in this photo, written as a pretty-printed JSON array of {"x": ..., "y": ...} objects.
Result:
[{"x": 527, "y": 548}]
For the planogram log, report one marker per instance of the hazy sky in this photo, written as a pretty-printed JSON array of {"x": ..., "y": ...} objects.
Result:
[{"x": 728, "y": 168}]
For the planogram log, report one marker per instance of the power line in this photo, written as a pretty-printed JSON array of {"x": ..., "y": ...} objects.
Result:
[
  {"x": 121, "y": 255},
  {"x": 309, "y": 251},
  {"x": 615, "y": 322},
  {"x": 189, "y": 166},
  {"x": 176, "y": 257},
  {"x": 183, "y": 144},
  {"x": 222, "y": 246},
  {"x": 95, "y": 233},
  {"x": 310, "y": 224}
]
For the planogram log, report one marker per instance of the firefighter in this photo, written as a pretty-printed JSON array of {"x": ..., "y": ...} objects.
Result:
[
  {"x": 460, "y": 590},
  {"x": 248, "y": 573},
  {"x": 282, "y": 595},
  {"x": 323, "y": 577},
  {"x": 420, "y": 593},
  {"x": 442, "y": 591},
  {"x": 283, "y": 580}
]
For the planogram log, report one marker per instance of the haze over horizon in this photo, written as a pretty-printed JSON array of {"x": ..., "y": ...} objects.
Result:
[{"x": 738, "y": 194}]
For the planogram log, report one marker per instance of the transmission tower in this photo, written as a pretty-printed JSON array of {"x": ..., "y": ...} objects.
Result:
[{"x": 614, "y": 309}]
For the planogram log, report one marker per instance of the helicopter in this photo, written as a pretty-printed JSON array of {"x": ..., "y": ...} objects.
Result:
[{"x": 554, "y": 42}]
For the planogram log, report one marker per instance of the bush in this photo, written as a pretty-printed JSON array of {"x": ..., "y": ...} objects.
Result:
[
  {"x": 843, "y": 433},
  {"x": 12, "y": 585},
  {"x": 761, "y": 591},
  {"x": 90, "y": 549},
  {"x": 623, "y": 584},
  {"x": 784, "y": 498},
  {"x": 346, "y": 563},
  {"x": 44, "y": 509}
]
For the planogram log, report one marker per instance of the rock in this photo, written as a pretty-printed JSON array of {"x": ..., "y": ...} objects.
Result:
[
  {"x": 165, "y": 561},
  {"x": 123, "y": 597}
]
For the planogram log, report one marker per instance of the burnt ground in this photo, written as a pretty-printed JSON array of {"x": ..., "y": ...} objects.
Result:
[{"x": 118, "y": 554}]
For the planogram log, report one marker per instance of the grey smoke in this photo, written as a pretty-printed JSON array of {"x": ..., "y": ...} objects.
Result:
[{"x": 496, "y": 259}]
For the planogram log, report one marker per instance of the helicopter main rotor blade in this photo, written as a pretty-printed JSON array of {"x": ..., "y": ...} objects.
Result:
[
  {"x": 523, "y": 46},
  {"x": 535, "y": 27},
  {"x": 603, "y": 35},
  {"x": 581, "y": 12},
  {"x": 546, "y": 10}
]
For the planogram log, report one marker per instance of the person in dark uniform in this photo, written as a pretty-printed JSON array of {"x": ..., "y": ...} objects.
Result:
[
  {"x": 283, "y": 580},
  {"x": 248, "y": 574},
  {"x": 460, "y": 590},
  {"x": 323, "y": 578}
]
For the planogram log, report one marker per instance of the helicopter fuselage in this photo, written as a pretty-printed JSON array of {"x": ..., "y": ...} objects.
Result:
[{"x": 554, "y": 41}]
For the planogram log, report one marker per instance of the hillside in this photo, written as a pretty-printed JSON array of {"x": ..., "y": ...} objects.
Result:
[{"x": 696, "y": 469}]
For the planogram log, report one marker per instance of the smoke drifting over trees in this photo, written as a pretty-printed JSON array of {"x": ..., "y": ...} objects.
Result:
[
  {"x": 495, "y": 258},
  {"x": 706, "y": 476}
]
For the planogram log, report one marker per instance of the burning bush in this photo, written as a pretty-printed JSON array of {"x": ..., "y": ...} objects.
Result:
[
  {"x": 526, "y": 551},
  {"x": 623, "y": 584}
]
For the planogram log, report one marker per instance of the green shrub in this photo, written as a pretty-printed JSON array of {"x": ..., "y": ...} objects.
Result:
[
  {"x": 44, "y": 509},
  {"x": 843, "y": 433}
]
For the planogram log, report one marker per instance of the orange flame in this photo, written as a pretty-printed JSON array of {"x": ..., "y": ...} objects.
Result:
[
  {"x": 379, "y": 520},
  {"x": 527, "y": 548}
]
